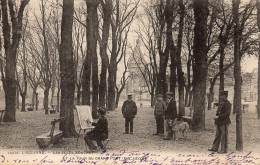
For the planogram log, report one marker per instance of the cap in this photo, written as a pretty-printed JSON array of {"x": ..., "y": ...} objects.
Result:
[
  {"x": 129, "y": 94},
  {"x": 102, "y": 110}
]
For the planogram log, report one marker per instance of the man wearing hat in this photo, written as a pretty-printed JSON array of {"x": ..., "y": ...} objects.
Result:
[
  {"x": 159, "y": 112},
  {"x": 222, "y": 121},
  {"x": 99, "y": 133},
  {"x": 129, "y": 110},
  {"x": 170, "y": 115}
]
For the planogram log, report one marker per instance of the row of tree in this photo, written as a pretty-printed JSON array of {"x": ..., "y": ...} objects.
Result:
[{"x": 54, "y": 49}]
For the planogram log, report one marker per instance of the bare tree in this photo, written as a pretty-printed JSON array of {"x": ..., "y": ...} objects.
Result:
[
  {"x": 106, "y": 14},
  {"x": 11, "y": 45},
  {"x": 146, "y": 33},
  {"x": 200, "y": 62},
  {"x": 67, "y": 70},
  {"x": 79, "y": 41},
  {"x": 92, "y": 37},
  {"x": 237, "y": 76},
  {"x": 121, "y": 19},
  {"x": 258, "y": 24},
  {"x": 21, "y": 71}
]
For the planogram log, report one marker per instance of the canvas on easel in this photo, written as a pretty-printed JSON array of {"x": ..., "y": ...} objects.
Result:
[{"x": 85, "y": 118}]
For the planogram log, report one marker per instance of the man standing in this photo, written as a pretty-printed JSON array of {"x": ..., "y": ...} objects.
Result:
[
  {"x": 222, "y": 121},
  {"x": 170, "y": 115},
  {"x": 129, "y": 110},
  {"x": 159, "y": 112}
]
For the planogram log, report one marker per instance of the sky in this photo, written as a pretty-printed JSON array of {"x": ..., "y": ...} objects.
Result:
[{"x": 249, "y": 64}]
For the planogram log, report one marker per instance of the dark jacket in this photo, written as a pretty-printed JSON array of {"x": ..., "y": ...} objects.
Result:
[
  {"x": 160, "y": 108},
  {"x": 100, "y": 132},
  {"x": 171, "y": 111},
  {"x": 129, "y": 109},
  {"x": 223, "y": 113}
]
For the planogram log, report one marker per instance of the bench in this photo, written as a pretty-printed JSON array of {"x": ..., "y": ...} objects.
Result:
[
  {"x": 30, "y": 107},
  {"x": 2, "y": 116},
  {"x": 189, "y": 118},
  {"x": 54, "y": 109},
  {"x": 52, "y": 137}
]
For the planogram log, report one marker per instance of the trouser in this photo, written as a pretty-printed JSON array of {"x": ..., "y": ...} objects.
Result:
[
  {"x": 159, "y": 124},
  {"x": 169, "y": 128},
  {"x": 221, "y": 137},
  {"x": 129, "y": 121},
  {"x": 89, "y": 141}
]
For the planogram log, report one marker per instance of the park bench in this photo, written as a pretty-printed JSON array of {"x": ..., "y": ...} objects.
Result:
[
  {"x": 52, "y": 137},
  {"x": 2, "y": 116},
  {"x": 189, "y": 118},
  {"x": 29, "y": 107},
  {"x": 54, "y": 109}
]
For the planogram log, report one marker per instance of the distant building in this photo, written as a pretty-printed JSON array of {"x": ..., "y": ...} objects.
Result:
[
  {"x": 136, "y": 83},
  {"x": 250, "y": 85}
]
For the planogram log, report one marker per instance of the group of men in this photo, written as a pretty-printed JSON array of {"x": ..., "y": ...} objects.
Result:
[
  {"x": 163, "y": 111},
  {"x": 167, "y": 111}
]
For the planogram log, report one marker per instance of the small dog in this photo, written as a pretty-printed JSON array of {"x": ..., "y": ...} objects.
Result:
[{"x": 180, "y": 127}]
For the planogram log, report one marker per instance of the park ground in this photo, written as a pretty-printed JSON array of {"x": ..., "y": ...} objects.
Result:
[{"x": 21, "y": 135}]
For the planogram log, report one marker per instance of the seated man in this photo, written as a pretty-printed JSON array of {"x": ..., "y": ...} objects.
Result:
[{"x": 99, "y": 133}]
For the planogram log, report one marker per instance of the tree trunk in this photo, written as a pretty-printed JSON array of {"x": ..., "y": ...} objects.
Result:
[
  {"x": 67, "y": 73},
  {"x": 162, "y": 87},
  {"x": 86, "y": 77},
  {"x": 258, "y": 24},
  {"x": 188, "y": 87},
  {"x": 237, "y": 77},
  {"x": 23, "y": 102},
  {"x": 170, "y": 49},
  {"x": 58, "y": 99},
  {"x": 200, "y": 62},
  {"x": 258, "y": 99},
  {"x": 17, "y": 99},
  {"x": 180, "y": 73},
  {"x": 191, "y": 99},
  {"x": 117, "y": 100},
  {"x": 10, "y": 47},
  {"x": 107, "y": 11},
  {"x": 53, "y": 87},
  {"x": 78, "y": 93},
  {"x": 111, "y": 87},
  {"x": 112, "y": 71},
  {"x": 211, "y": 93},
  {"x": 221, "y": 70},
  {"x": 46, "y": 100},
  {"x": 92, "y": 22}
]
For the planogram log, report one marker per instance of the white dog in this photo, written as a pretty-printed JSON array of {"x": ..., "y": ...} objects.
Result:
[{"x": 180, "y": 127}]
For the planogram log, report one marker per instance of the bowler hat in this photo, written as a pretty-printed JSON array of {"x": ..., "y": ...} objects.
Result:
[{"x": 102, "y": 110}]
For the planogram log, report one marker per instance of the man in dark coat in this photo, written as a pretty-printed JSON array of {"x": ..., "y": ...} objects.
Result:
[
  {"x": 129, "y": 110},
  {"x": 222, "y": 121},
  {"x": 99, "y": 133},
  {"x": 170, "y": 115}
]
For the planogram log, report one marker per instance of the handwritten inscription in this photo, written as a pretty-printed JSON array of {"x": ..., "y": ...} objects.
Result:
[{"x": 133, "y": 157}]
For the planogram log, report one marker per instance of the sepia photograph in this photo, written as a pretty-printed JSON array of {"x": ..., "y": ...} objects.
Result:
[{"x": 145, "y": 82}]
